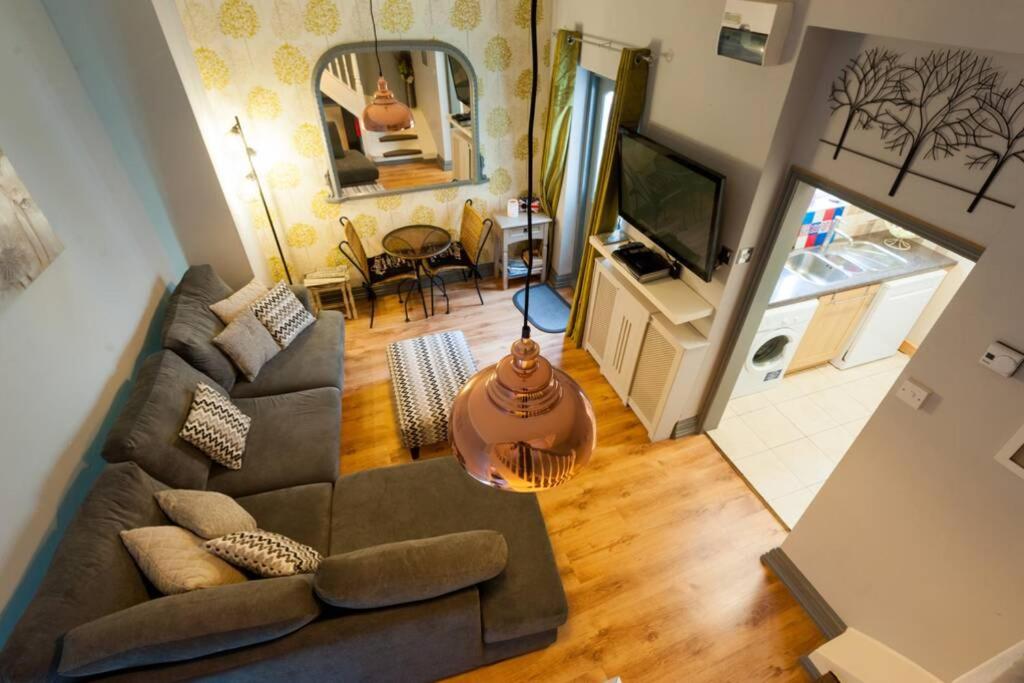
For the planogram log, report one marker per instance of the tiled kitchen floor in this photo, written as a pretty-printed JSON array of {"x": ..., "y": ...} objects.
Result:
[{"x": 787, "y": 440}]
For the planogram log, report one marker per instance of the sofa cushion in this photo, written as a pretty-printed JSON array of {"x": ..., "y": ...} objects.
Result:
[
  {"x": 355, "y": 169},
  {"x": 190, "y": 625},
  {"x": 174, "y": 560},
  {"x": 207, "y": 514},
  {"x": 407, "y": 571},
  {"x": 436, "y": 497},
  {"x": 147, "y": 429},
  {"x": 91, "y": 574},
  {"x": 314, "y": 359},
  {"x": 282, "y": 314},
  {"x": 190, "y": 326},
  {"x": 265, "y": 553},
  {"x": 302, "y": 513},
  {"x": 294, "y": 439},
  {"x": 216, "y": 427},
  {"x": 248, "y": 344},
  {"x": 238, "y": 303}
]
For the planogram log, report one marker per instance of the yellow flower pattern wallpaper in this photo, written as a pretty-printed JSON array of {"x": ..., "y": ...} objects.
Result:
[{"x": 256, "y": 59}]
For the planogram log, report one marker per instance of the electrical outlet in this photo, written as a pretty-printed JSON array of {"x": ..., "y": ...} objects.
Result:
[
  {"x": 745, "y": 255},
  {"x": 912, "y": 393}
]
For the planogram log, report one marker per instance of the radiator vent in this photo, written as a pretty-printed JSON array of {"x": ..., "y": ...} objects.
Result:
[
  {"x": 652, "y": 376},
  {"x": 601, "y": 314}
]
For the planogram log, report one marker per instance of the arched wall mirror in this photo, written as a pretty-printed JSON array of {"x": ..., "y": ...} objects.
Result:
[{"x": 436, "y": 81}]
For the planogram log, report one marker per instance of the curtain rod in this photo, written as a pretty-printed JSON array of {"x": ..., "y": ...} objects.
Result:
[{"x": 609, "y": 44}]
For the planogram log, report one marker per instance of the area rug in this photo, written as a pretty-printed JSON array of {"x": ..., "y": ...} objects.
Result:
[
  {"x": 426, "y": 374},
  {"x": 549, "y": 312}
]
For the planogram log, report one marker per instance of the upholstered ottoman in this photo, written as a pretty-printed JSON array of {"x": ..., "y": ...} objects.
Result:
[{"x": 426, "y": 374}]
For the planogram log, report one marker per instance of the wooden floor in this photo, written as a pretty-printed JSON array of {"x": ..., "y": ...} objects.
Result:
[
  {"x": 658, "y": 544},
  {"x": 412, "y": 174}
]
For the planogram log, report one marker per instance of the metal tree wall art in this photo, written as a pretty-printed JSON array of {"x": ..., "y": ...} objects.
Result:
[
  {"x": 868, "y": 81},
  {"x": 942, "y": 91},
  {"x": 947, "y": 103},
  {"x": 996, "y": 133}
]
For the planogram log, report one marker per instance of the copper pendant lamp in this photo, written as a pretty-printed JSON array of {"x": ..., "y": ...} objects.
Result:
[
  {"x": 522, "y": 424},
  {"x": 384, "y": 114}
]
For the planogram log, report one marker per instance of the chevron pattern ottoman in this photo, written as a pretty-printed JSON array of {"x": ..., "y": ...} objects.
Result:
[{"x": 426, "y": 374}]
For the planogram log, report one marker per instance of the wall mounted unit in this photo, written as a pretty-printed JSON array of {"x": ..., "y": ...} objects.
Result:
[
  {"x": 754, "y": 31},
  {"x": 650, "y": 362}
]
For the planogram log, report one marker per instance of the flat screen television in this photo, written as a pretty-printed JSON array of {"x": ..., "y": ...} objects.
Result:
[
  {"x": 674, "y": 201},
  {"x": 460, "y": 81}
]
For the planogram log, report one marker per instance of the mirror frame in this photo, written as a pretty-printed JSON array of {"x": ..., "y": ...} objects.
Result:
[{"x": 395, "y": 45}]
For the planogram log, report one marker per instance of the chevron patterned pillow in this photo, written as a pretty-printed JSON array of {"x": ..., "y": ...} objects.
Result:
[
  {"x": 282, "y": 314},
  {"x": 265, "y": 553},
  {"x": 216, "y": 427}
]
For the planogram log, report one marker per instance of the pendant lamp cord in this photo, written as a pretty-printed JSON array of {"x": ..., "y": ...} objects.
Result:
[
  {"x": 529, "y": 169},
  {"x": 376, "y": 45}
]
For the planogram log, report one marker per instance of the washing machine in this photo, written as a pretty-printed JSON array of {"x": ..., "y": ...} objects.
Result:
[{"x": 777, "y": 339}]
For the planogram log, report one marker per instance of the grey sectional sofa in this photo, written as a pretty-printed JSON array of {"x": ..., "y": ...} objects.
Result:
[{"x": 278, "y": 629}]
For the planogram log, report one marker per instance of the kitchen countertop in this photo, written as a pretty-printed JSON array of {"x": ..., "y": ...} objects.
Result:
[{"x": 791, "y": 288}]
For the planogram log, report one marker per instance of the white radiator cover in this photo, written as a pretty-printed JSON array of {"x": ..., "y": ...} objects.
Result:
[{"x": 648, "y": 361}]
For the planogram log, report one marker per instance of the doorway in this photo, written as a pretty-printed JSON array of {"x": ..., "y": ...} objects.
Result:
[
  {"x": 848, "y": 292},
  {"x": 592, "y": 105}
]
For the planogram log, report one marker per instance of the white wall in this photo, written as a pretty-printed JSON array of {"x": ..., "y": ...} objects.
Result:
[
  {"x": 432, "y": 100},
  {"x": 71, "y": 339},
  {"x": 123, "y": 60},
  {"x": 912, "y": 539}
]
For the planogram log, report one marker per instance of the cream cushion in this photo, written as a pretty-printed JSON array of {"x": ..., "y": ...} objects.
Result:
[
  {"x": 239, "y": 302},
  {"x": 207, "y": 514},
  {"x": 174, "y": 560}
]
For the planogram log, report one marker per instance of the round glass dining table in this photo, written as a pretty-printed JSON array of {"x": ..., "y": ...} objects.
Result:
[{"x": 417, "y": 243}]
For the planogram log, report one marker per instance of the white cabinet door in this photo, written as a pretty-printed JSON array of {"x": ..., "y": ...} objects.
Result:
[
  {"x": 603, "y": 293},
  {"x": 626, "y": 336},
  {"x": 889, "y": 319}
]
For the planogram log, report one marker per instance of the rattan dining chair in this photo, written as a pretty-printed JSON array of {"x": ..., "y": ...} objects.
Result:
[
  {"x": 464, "y": 254},
  {"x": 379, "y": 270}
]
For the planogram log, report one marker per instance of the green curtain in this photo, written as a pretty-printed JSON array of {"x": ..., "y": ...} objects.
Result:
[
  {"x": 556, "y": 139},
  {"x": 627, "y": 108}
]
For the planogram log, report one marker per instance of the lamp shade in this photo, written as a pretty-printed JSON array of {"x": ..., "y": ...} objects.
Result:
[
  {"x": 386, "y": 114},
  {"x": 521, "y": 424}
]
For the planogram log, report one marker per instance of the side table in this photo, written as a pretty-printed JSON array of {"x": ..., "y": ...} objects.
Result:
[
  {"x": 332, "y": 291},
  {"x": 511, "y": 232}
]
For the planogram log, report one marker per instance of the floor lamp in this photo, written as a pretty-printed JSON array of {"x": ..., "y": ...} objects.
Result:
[{"x": 249, "y": 152}]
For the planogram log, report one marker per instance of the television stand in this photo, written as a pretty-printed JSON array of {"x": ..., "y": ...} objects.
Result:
[{"x": 675, "y": 299}]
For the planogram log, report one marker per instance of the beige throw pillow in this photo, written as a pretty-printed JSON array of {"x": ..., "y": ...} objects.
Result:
[
  {"x": 239, "y": 302},
  {"x": 247, "y": 343},
  {"x": 174, "y": 560},
  {"x": 208, "y": 514}
]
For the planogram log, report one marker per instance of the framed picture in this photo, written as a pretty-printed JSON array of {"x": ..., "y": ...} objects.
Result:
[
  {"x": 27, "y": 241},
  {"x": 1011, "y": 455}
]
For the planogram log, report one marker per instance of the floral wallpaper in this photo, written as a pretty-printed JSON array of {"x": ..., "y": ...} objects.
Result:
[{"x": 256, "y": 58}]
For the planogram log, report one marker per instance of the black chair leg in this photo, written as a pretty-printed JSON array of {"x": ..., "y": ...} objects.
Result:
[
  {"x": 476, "y": 283},
  {"x": 415, "y": 452},
  {"x": 373, "y": 305}
]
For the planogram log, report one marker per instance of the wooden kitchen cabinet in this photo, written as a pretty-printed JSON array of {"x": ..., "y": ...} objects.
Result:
[{"x": 834, "y": 321}]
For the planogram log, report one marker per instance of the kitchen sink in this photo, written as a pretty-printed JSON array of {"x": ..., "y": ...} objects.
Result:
[
  {"x": 815, "y": 268},
  {"x": 869, "y": 256}
]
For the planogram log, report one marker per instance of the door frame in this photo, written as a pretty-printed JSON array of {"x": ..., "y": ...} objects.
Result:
[{"x": 770, "y": 258}]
